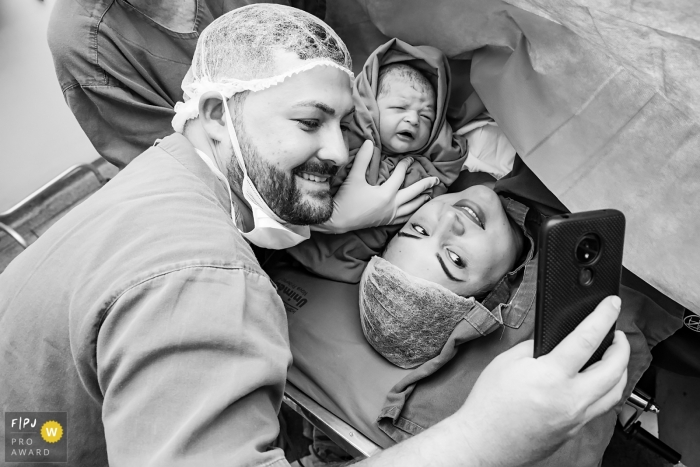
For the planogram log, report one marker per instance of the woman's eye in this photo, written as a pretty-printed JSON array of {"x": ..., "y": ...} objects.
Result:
[
  {"x": 419, "y": 229},
  {"x": 455, "y": 258},
  {"x": 344, "y": 127},
  {"x": 308, "y": 125}
]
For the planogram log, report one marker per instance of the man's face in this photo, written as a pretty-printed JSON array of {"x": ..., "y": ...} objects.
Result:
[
  {"x": 462, "y": 241},
  {"x": 294, "y": 139},
  {"x": 406, "y": 116}
]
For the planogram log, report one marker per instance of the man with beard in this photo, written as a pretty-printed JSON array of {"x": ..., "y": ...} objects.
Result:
[{"x": 145, "y": 316}]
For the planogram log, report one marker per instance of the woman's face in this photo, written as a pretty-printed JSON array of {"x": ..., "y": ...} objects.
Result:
[{"x": 462, "y": 241}]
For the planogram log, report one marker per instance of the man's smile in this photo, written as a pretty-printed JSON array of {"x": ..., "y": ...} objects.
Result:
[{"x": 313, "y": 177}]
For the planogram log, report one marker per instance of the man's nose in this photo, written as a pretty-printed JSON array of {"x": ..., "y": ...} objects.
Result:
[
  {"x": 449, "y": 223},
  {"x": 334, "y": 148}
]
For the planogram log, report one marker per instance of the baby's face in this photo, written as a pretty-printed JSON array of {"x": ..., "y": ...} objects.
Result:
[
  {"x": 462, "y": 241},
  {"x": 406, "y": 117}
]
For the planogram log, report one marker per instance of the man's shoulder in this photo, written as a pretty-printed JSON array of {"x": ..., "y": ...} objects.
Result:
[
  {"x": 154, "y": 216},
  {"x": 173, "y": 208}
]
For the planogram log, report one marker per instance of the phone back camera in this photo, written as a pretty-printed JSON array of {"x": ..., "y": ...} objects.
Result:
[
  {"x": 585, "y": 277},
  {"x": 588, "y": 249}
]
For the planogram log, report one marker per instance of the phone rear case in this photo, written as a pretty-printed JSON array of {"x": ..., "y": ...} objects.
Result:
[{"x": 562, "y": 301}]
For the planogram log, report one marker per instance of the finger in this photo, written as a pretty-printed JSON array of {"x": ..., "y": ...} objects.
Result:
[
  {"x": 407, "y": 209},
  {"x": 600, "y": 377},
  {"x": 362, "y": 160},
  {"x": 410, "y": 192},
  {"x": 576, "y": 348},
  {"x": 607, "y": 401},
  {"x": 401, "y": 220},
  {"x": 393, "y": 183}
]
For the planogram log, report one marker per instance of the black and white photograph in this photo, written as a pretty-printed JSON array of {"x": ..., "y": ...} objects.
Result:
[{"x": 330, "y": 233}]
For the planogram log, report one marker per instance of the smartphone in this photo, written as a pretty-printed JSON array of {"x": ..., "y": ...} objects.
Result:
[{"x": 580, "y": 263}]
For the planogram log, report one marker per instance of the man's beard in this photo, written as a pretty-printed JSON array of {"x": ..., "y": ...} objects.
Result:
[{"x": 280, "y": 190}]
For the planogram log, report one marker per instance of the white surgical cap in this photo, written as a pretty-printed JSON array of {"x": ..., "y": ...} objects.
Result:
[
  {"x": 408, "y": 320},
  {"x": 237, "y": 52}
]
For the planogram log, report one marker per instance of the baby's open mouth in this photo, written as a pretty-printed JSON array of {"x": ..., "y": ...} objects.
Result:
[{"x": 405, "y": 134}]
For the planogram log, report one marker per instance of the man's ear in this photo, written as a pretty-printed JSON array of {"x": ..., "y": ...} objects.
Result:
[{"x": 211, "y": 115}]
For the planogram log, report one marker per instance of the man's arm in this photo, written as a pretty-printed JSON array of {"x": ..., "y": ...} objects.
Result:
[
  {"x": 192, "y": 365},
  {"x": 521, "y": 408}
]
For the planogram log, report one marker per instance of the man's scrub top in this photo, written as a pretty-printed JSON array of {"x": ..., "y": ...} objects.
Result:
[{"x": 145, "y": 316}]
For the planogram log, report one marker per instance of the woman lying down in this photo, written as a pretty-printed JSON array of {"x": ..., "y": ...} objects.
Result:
[
  {"x": 456, "y": 255},
  {"x": 453, "y": 289}
]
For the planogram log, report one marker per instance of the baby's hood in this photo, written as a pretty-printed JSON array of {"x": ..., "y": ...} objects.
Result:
[{"x": 443, "y": 151}]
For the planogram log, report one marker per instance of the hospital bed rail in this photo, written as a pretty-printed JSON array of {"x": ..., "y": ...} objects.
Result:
[
  {"x": 16, "y": 215},
  {"x": 359, "y": 446},
  {"x": 341, "y": 433}
]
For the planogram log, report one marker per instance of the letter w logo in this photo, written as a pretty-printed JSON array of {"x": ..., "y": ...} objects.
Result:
[{"x": 52, "y": 431}]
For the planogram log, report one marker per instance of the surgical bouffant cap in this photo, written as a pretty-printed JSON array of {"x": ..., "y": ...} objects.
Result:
[
  {"x": 238, "y": 51},
  {"x": 408, "y": 320}
]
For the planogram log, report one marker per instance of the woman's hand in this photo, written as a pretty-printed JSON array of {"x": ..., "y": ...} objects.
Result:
[{"x": 358, "y": 204}]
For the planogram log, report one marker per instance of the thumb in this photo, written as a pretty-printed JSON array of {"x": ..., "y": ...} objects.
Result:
[{"x": 362, "y": 160}]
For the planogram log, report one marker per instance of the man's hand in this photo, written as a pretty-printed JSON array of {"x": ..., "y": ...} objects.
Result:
[
  {"x": 525, "y": 408},
  {"x": 521, "y": 409},
  {"x": 358, "y": 204}
]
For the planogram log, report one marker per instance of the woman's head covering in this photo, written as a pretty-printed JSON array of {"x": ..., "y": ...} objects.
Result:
[
  {"x": 408, "y": 320},
  {"x": 239, "y": 51}
]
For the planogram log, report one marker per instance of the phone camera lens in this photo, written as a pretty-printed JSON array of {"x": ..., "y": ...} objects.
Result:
[
  {"x": 585, "y": 277},
  {"x": 587, "y": 249}
]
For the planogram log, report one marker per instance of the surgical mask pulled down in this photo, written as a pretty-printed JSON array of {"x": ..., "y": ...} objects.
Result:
[{"x": 269, "y": 231}]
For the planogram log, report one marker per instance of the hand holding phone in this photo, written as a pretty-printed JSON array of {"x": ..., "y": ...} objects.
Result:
[{"x": 580, "y": 263}]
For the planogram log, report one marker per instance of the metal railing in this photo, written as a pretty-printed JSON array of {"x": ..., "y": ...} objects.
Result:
[
  {"x": 37, "y": 197},
  {"x": 342, "y": 434}
]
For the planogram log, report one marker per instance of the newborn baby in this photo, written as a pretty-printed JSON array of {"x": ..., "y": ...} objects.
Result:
[
  {"x": 401, "y": 99},
  {"x": 406, "y": 102},
  {"x": 459, "y": 257}
]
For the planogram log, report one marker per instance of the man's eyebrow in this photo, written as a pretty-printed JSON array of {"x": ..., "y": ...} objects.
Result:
[
  {"x": 444, "y": 268},
  {"x": 319, "y": 105}
]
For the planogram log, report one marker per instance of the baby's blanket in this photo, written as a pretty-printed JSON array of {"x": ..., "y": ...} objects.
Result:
[{"x": 343, "y": 257}]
